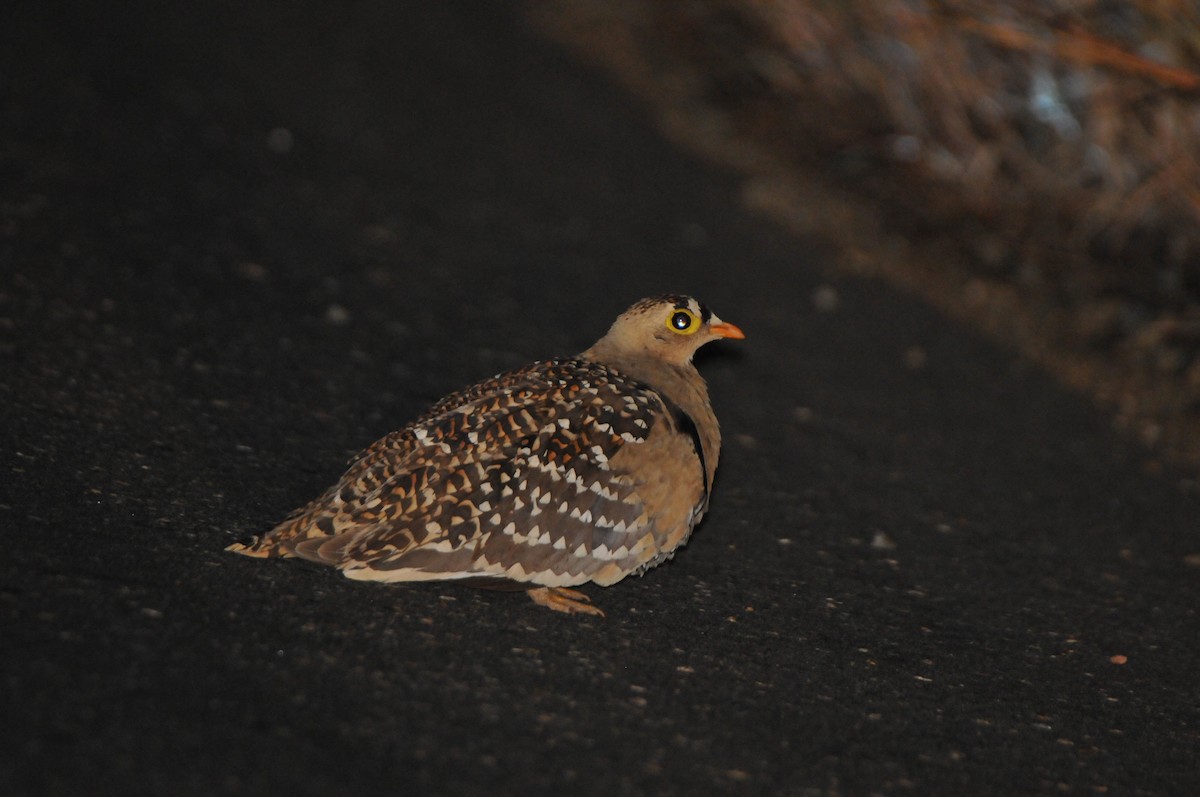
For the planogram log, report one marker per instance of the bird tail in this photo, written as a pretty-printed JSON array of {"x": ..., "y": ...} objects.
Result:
[
  {"x": 282, "y": 540},
  {"x": 251, "y": 546}
]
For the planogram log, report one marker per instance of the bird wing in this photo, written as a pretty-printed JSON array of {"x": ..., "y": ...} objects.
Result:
[
  {"x": 513, "y": 478},
  {"x": 390, "y": 478}
]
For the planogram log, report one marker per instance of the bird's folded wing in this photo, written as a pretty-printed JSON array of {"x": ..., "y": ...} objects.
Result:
[{"x": 512, "y": 479}]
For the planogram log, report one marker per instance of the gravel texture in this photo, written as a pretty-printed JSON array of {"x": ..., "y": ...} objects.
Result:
[{"x": 239, "y": 242}]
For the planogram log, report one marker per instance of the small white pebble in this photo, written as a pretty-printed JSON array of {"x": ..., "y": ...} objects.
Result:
[
  {"x": 883, "y": 542},
  {"x": 825, "y": 299},
  {"x": 337, "y": 315}
]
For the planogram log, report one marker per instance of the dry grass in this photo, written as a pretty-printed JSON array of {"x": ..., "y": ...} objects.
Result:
[{"x": 1033, "y": 167}]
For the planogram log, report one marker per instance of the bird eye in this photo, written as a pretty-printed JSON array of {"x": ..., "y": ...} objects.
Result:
[{"x": 684, "y": 322}]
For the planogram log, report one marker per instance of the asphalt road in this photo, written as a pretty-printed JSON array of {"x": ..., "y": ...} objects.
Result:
[{"x": 240, "y": 242}]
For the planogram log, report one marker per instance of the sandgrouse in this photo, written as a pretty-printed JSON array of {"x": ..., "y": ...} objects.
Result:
[{"x": 565, "y": 471}]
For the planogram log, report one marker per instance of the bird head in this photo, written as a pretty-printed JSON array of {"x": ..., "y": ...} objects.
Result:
[{"x": 670, "y": 328}]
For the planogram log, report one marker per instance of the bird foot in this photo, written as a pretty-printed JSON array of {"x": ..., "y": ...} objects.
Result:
[{"x": 561, "y": 599}]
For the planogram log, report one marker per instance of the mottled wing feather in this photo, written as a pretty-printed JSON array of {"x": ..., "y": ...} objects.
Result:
[
  {"x": 511, "y": 479},
  {"x": 388, "y": 478}
]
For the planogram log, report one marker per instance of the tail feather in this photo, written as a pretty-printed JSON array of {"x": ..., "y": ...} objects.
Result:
[
  {"x": 251, "y": 546},
  {"x": 326, "y": 550},
  {"x": 284, "y": 538}
]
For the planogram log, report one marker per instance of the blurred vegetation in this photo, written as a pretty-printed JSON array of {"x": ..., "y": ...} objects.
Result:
[{"x": 1044, "y": 154}]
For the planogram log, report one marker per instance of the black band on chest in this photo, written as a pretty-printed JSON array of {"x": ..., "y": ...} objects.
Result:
[{"x": 685, "y": 424}]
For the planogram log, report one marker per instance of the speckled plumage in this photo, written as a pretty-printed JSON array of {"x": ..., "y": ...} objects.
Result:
[{"x": 546, "y": 477}]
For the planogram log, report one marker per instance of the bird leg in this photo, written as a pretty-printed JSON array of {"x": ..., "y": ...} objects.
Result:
[{"x": 561, "y": 599}]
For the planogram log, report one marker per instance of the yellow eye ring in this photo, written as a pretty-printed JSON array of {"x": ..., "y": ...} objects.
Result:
[{"x": 683, "y": 322}]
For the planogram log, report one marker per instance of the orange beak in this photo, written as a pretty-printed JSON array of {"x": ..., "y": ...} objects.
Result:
[{"x": 725, "y": 329}]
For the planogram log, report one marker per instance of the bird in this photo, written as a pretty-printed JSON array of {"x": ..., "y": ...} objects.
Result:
[{"x": 543, "y": 478}]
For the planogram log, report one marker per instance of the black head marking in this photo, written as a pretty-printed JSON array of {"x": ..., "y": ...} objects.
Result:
[{"x": 678, "y": 301}]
